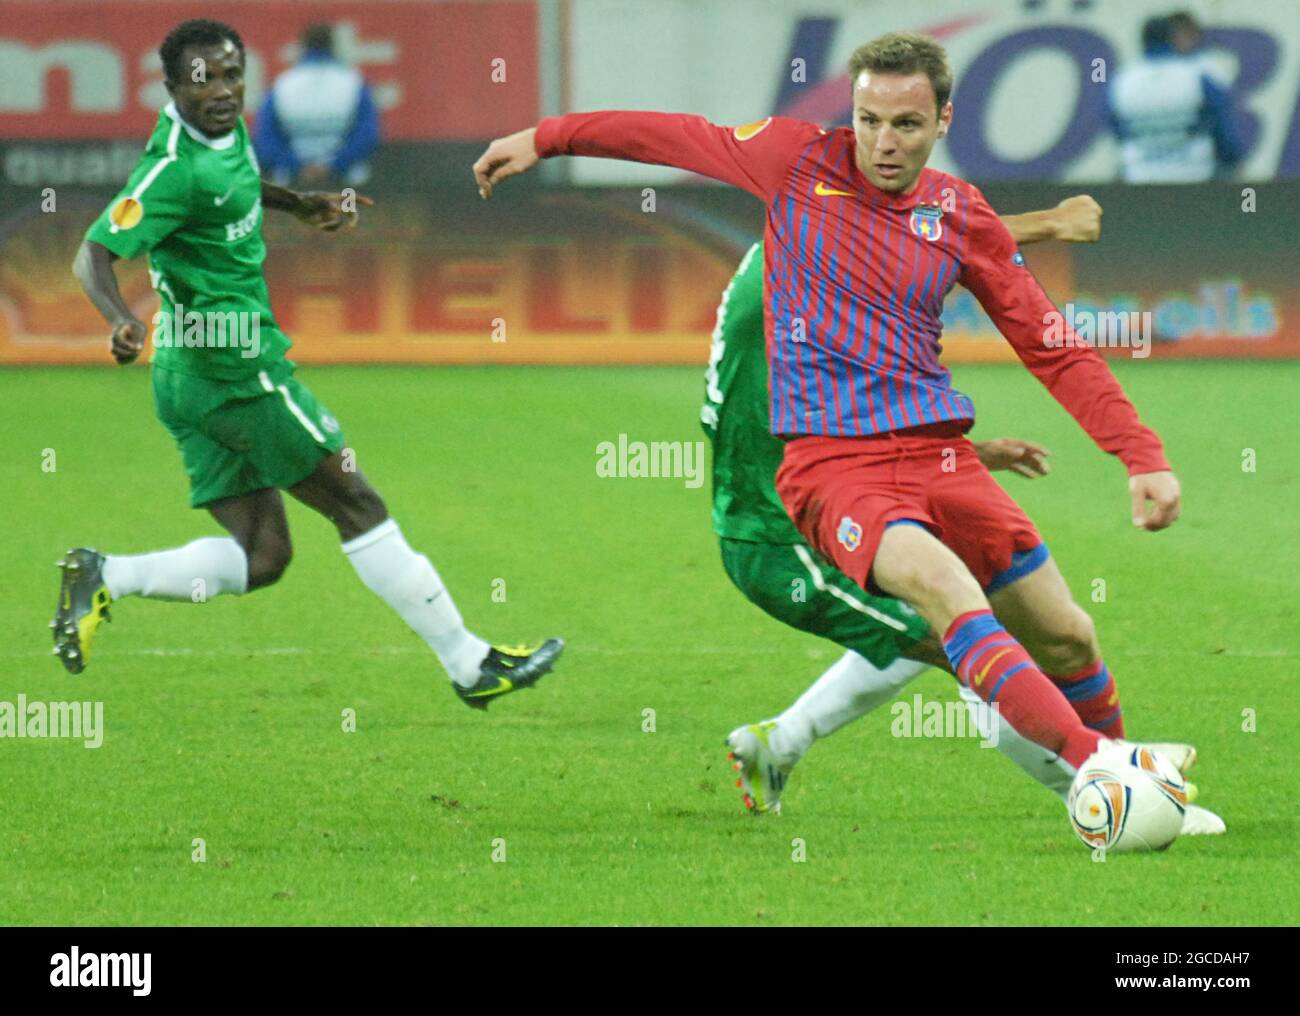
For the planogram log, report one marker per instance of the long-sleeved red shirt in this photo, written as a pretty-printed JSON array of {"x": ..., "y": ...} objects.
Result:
[{"x": 856, "y": 277}]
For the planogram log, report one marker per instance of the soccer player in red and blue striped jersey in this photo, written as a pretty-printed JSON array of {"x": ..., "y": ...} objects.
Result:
[{"x": 862, "y": 243}]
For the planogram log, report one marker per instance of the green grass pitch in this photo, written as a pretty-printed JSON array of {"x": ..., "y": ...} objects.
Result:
[{"x": 223, "y": 722}]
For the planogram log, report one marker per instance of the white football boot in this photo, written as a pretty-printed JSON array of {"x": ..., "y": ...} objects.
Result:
[
  {"x": 760, "y": 774},
  {"x": 1183, "y": 756},
  {"x": 1197, "y": 821}
]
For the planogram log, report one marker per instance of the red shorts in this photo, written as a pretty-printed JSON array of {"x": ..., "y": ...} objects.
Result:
[{"x": 842, "y": 492}]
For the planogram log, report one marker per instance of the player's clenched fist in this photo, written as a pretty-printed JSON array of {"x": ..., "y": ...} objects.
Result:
[
  {"x": 331, "y": 212},
  {"x": 1078, "y": 220},
  {"x": 504, "y": 158},
  {"x": 1157, "y": 499},
  {"x": 128, "y": 340}
]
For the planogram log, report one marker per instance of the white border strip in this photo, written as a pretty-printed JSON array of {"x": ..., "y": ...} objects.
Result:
[
  {"x": 302, "y": 417},
  {"x": 819, "y": 580}
]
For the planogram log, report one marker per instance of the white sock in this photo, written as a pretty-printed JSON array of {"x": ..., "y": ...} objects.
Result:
[
  {"x": 408, "y": 583},
  {"x": 197, "y": 571},
  {"x": 1045, "y": 766},
  {"x": 851, "y": 688}
]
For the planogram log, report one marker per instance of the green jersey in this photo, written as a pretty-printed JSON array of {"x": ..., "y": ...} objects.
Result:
[
  {"x": 194, "y": 205},
  {"x": 737, "y": 416}
]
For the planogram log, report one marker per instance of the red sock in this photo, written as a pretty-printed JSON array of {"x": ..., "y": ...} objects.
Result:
[
  {"x": 989, "y": 661},
  {"x": 1091, "y": 691}
]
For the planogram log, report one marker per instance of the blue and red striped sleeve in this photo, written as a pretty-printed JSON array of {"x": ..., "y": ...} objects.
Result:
[
  {"x": 1075, "y": 374},
  {"x": 755, "y": 157}
]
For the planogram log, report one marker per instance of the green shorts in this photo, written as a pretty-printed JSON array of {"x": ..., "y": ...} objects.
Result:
[
  {"x": 236, "y": 437},
  {"x": 793, "y": 585}
]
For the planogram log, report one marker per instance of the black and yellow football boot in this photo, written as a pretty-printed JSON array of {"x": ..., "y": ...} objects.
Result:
[
  {"x": 509, "y": 668},
  {"x": 83, "y": 607}
]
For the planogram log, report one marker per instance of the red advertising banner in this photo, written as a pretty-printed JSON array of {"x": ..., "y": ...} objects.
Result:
[{"x": 439, "y": 72}]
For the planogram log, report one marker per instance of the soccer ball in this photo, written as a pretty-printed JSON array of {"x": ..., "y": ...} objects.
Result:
[{"x": 1126, "y": 799}]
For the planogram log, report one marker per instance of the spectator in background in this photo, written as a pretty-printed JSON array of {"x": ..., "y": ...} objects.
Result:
[
  {"x": 318, "y": 121},
  {"x": 1172, "y": 119}
]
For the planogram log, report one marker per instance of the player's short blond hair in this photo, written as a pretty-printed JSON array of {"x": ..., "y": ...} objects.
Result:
[{"x": 905, "y": 53}]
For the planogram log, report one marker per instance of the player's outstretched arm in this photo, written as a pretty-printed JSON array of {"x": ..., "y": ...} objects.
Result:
[
  {"x": 1070, "y": 369},
  {"x": 322, "y": 209},
  {"x": 93, "y": 268},
  {"x": 755, "y": 157},
  {"x": 1156, "y": 496},
  {"x": 1023, "y": 458},
  {"x": 1075, "y": 220}
]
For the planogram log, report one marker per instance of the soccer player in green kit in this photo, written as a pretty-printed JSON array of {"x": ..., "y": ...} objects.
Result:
[
  {"x": 246, "y": 427},
  {"x": 770, "y": 562}
]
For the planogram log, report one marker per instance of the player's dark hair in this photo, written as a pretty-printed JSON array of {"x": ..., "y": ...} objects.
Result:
[
  {"x": 197, "y": 32},
  {"x": 318, "y": 38},
  {"x": 1156, "y": 32},
  {"x": 1185, "y": 22},
  {"x": 905, "y": 53}
]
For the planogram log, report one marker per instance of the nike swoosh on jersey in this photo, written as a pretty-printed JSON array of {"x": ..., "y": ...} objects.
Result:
[
  {"x": 979, "y": 678},
  {"x": 822, "y": 191},
  {"x": 222, "y": 200}
]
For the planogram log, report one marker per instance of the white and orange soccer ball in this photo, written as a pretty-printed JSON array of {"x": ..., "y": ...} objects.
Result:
[{"x": 1127, "y": 798}]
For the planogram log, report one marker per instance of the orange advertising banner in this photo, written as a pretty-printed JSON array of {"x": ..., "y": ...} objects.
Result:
[{"x": 587, "y": 277}]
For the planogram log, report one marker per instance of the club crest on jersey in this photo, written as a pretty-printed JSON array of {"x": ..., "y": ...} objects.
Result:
[
  {"x": 126, "y": 213},
  {"x": 927, "y": 222},
  {"x": 849, "y": 534}
]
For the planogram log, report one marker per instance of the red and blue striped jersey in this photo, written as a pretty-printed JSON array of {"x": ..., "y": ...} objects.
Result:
[{"x": 855, "y": 279}]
